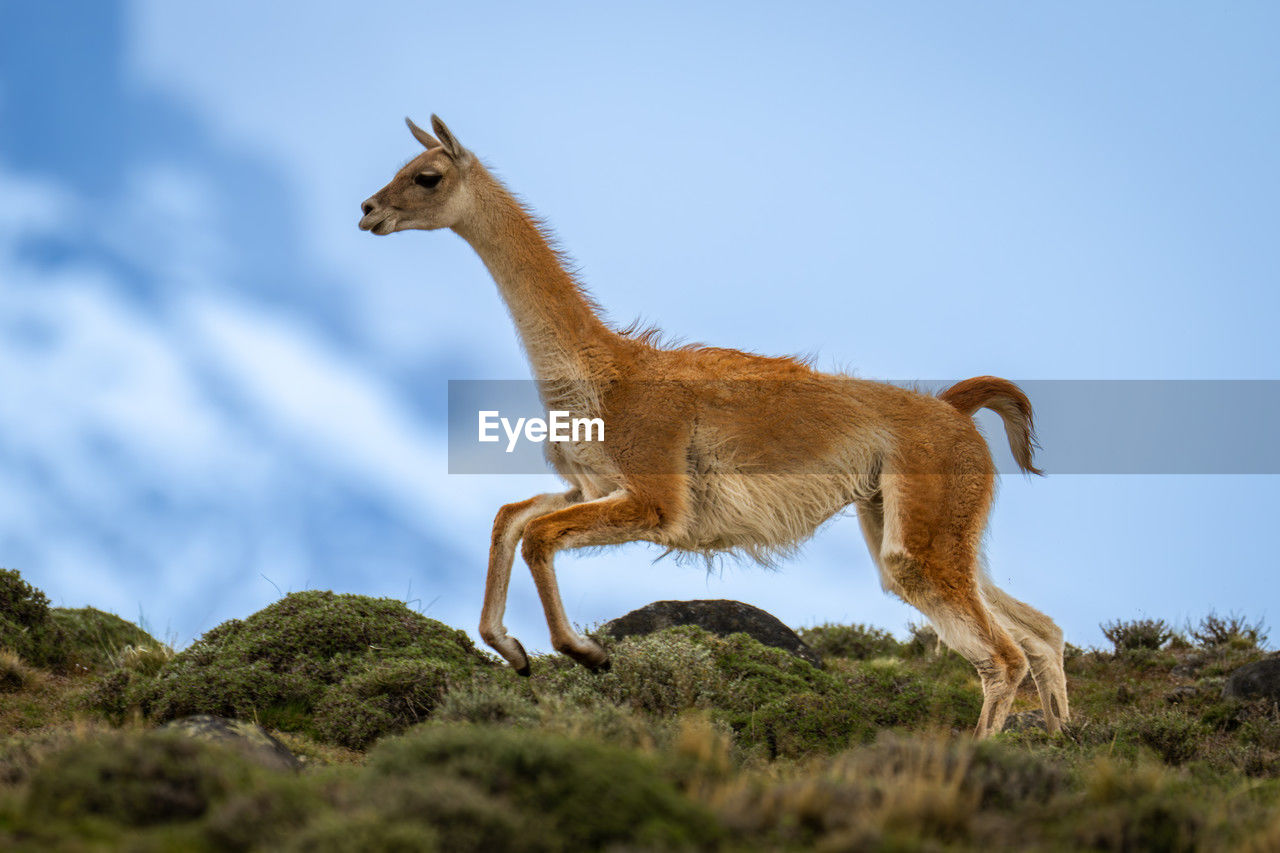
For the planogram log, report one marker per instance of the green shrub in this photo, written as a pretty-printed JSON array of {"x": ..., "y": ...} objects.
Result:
[
  {"x": 755, "y": 674},
  {"x": 22, "y": 752},
  {"x": 268, "y": 814},
  {"x": 1173, "y": 735},
  {"x": 1010, "y": 779},
  {"x": 1137, "y": 634},
  {"x": 806, "y": 723},
  {"x": 661, "y": 673},
  {"x": 451, "y": 813},
  {"x": 489, "y": 699},
  {"x": 1230, "y": 631},
  {"x": 346, "y": 833},
  {"x": 135, "y": 779},
  {"x": 856, "y": 642},
  {"x": 383, "y": 696},
  {"x": 1134, "y": 807},
  {"x": 580, "y": 794},
  {"x": 25, "y": 626},
  {"x": 21, "y": 603},
  {"x": 344, "y": 668}
]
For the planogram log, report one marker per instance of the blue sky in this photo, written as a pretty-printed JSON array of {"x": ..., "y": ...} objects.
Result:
[{"x": 212, "y": 385}]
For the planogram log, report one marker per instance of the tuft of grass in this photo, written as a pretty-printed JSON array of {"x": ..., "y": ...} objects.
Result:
[
  {"x": 15, "y": 675},
  {"x": 146, "y": 659},
  {"x": 892, "y": 794}
]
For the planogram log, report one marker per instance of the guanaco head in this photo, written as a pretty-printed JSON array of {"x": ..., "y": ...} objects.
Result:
[{"x": 430, "y": 192}]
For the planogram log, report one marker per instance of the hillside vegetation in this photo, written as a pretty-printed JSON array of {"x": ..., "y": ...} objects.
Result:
[{"x": 411, "y": 738}]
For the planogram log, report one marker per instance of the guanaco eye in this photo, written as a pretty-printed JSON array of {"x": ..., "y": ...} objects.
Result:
[{"x": 427, "y": 180}]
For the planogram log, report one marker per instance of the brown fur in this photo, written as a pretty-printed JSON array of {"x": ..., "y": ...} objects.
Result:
[{"x": 709, "y": 450}]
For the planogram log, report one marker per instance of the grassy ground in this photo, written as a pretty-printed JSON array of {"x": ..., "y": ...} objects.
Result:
[{"x": 412, "y": 739}]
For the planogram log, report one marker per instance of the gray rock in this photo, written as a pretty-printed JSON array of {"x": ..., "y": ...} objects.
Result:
[
  {"x": 1178, "y": 695},
  {"x": 251, "y": 740},
  {"x": 1257, "y": 680},
  {"x": 1190, "y": 665},
  {"x": 719, "y": 616},
  {"x": 1025, "y": 721}
]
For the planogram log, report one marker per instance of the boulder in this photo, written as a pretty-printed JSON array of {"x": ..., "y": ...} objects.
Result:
[
  {"x": 1178, "y": 695},
  {"x": 249, "y": 739},
  {"x": 1257, "y": 680},
  {"x": 1024, "y": 721},
  {"x": 1190, "y": 665},
  {"x": 717, "y": 616}
]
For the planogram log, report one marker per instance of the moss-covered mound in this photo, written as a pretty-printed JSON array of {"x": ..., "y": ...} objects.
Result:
[
  {"x": 97, "y": 638},
  {"x": 57, "y": 638},
  {"x": 344, "y": 668}
]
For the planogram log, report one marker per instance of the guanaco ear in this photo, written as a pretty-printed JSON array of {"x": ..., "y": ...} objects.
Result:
[
  {"x": 450, "y": 142},
  {"x": 428, "y": 141}
]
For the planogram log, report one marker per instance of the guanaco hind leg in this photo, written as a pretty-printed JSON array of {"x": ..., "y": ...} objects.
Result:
[
  {"x": 1041, "y": 640},
  {"x": 930, "y": 527}
]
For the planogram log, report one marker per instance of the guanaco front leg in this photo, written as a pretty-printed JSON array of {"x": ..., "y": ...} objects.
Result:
[
  {"x": 611, "y": 520},
  {"x": 508, "y": 527}
]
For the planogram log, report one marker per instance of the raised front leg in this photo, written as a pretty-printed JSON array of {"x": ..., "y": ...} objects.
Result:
[
  {"x": 612, "y": 520},
  {"x": 508, "y": 527}
]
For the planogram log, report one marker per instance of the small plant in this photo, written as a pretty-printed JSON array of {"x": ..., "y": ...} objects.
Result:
[
  {"x": 1128, "y": 636},
  {"x": 145, "y": 658},
  {"x": 15, "y": 676},
  {"x": 1230, "y": 631},
  {"x": 856, "y": 642}
]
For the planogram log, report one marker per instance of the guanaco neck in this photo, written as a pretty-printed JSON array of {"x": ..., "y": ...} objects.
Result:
[{"x": 561, "y": 333}]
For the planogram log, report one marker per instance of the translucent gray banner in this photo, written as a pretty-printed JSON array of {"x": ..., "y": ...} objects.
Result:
[{"x": 1084, "y": 426}]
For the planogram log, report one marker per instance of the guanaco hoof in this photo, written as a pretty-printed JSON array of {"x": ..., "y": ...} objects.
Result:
[{"x": 524, "y": 670}]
